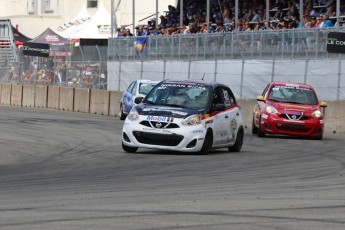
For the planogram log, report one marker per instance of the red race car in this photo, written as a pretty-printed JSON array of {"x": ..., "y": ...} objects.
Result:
[{"x": 289, "y": 109}]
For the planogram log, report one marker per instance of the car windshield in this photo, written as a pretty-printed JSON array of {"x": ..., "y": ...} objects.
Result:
[
  {"x": 293, "y": 95},
  {"x": 185, "y": 95},
  {"x": 145, "y": 87}
]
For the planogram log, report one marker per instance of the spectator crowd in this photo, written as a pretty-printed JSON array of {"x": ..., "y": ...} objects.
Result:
[{"x": 284, "y": 14}]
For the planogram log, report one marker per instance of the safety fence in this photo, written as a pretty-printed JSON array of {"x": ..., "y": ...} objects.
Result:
[
  {"x": 82, "y": 67},
  {"x": 261, "y": 44}
]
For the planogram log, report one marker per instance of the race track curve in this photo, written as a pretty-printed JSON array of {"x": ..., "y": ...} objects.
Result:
[{"x": 62, "y": 170}]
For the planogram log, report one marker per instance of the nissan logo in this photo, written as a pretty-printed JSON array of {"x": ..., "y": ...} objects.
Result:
[{"x": 158, "y": 125}]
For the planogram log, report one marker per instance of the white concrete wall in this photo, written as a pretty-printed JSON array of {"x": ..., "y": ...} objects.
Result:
[{"x": 247, "y": 79}]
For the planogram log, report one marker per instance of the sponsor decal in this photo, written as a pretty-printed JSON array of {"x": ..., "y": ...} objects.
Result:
[
  {"x": 159, "y": 119},
  {"x": 157, "y": 130},
  {"x": 104, "y": 29},
  {"x": 233, "y": 124},
  {"x": 264, "y": 116},
  {"x": 52, "y": 38},
  {"x": 293, "y": 112},
  {"x": 197, "y": 131},
  {"x": 165, "y": 110},
  {"x": 36, "y": 49}
]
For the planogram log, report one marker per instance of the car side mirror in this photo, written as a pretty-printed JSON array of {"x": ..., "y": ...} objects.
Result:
[
  {"x": 138, "y": 100},
  {"x": 219, "y": 107},
  {"x": 323, "y": 104},
  {"x": 260, "y": 98}
]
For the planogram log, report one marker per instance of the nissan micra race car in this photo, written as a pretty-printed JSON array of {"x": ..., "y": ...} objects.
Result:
[
  {"x": 186, "y": 116},
  {"x": 289, "y": 109}
]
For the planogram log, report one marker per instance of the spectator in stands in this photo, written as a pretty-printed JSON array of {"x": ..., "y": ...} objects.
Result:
[
  {"x": 128, "y": 33},
  {"x": 119, "y": 33},
  {"x": 140, "y": 42},
  {"x": 327, "y": 22},
  {"x": 320, "y": 21},
  {"x": 163, "y": 23},
  {"x": 256, "y": 17},
  {"x": 227, "y": 13}
]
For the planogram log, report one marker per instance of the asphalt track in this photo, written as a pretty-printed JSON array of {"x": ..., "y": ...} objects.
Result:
[{"x": 62, "y": 170}]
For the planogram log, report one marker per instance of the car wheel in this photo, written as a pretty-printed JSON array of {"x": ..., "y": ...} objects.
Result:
[
  {"x": 260, "y": 132},
  {"x": 122, "y": 115},
  {"x": 254, "y": 128},
  {"x": 129, "y": 149},
  {"x": 239, "y": 141},
  {"x": 207, "y": 145}
]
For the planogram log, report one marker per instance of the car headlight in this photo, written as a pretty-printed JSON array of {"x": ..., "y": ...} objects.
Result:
[
  {"x": 133, "y": 114},
  {"x": 192, "y": 120},
  {"x": 271, "y": 110},
  {"x": 317, "y": 114}
]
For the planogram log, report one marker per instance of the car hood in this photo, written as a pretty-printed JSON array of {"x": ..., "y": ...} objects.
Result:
[
  {"x": 291, "y": 108},
  {"x": 156, "y": 110}
]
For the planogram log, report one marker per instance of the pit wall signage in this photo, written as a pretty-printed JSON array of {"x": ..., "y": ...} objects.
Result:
[{"x": 336, "y": 42}]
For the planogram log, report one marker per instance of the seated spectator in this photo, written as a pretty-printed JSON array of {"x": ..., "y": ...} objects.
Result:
[
  {"x": 163, "y": 23},
  {"x": 327, "y": 22}
]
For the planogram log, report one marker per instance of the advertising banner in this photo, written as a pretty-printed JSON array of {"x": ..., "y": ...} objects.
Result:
[
  {"x": 336, "y": 42},
  {"x": 36, "y": 49}
]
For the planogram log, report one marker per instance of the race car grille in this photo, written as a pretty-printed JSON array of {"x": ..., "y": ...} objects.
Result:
[
  {"x": 294, "y": 117},
  {"x": 159, "y": 125},
  {"x": 293, "y": 127},
  {"x": 157, "y": 138}
]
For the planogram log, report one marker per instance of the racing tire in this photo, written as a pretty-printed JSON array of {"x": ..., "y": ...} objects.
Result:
[
  {"x": 122, "y": 115},
  {"x": 260, "y": 132},
  {"x": 129, "y": 149},
  {"x": 239, "y": 141},
  {"x": 208, "y": 141},
  {"x": 254, "y": 128}
]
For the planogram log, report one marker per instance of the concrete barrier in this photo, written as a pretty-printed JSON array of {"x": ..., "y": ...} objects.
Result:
[
  {"x": 335, "y": 116},
  {"x": 17, "y": 95},
  {"x": 114, "y": 103},
  {"x": 107, "y": 102},
  {"x": 247, "y": 111},
  {"x": 66, "y": 101},
  {"x": 29, "y": 95},
  {"x": 41, "y": 96},
  {"x": 53, "y": 97},
  {"x": 6, "y": 90},
  {"x": 82, "y": 100},
  {"x": 99, "y": 102}
]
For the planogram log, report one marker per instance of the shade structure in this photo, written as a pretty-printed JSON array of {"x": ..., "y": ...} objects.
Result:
[{"x": 59, "y": 46}]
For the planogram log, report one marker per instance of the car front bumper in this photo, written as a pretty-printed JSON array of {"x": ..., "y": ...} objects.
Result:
[
  {"x": 184, "y": 138},
  {"x": 313, "y": 127}
]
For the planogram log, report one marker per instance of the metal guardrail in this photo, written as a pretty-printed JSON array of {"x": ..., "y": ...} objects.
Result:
[{"x": 263, "y": 44}]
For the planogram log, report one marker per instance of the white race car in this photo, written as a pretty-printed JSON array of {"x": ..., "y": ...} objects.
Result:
[
  {"x": 186, "y": 116},
  {"x": 138, "y": 88}
]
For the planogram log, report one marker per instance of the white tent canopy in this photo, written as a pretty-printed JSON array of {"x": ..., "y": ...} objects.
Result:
[
  {"x": 76, "y": 24},
  {"x": 99, "y": 26}
]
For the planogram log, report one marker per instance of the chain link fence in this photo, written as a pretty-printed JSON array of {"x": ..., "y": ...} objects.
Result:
[{"x": 84, "y": 67}]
